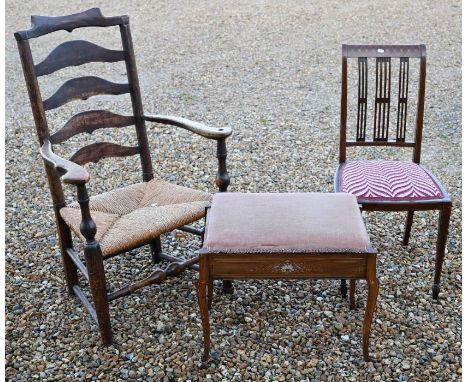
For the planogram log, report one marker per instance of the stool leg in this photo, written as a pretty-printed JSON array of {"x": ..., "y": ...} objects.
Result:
[
  {"x": 210, "y": 293},
  {"x": 203, "y": 304},
  {"x": 343, "y": 288},
  {"x": 352, "y": 294},
  {"x": 373, "y": 285}
]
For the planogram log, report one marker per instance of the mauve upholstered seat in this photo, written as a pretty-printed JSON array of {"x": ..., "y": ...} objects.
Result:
[
  {"x": 387, "y": 180},
  {"x": 285, "y": 222}
]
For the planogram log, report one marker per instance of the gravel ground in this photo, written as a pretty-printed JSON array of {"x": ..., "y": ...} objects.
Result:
[{"x": 271, "y": 71}]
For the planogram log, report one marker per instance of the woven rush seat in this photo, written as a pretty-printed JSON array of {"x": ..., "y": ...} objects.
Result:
[
  {"x": 133, "y": 215},
  {"x": 387, "y": 180},
  {"x": 285, "y": 222}
]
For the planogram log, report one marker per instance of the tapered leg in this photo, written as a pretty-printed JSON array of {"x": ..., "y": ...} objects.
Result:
[
  {"x": 97, "y": 281},
  {"x": 373, "y": 285},
  {"x": 352, "y": 294},
  {"x": 156, "y": 250},
  {"x": 343, "y": 288},
  {"x": 444, "y": 221},
  {"x": 203, "y": 304},
  {"x": 409, "y": 223}
]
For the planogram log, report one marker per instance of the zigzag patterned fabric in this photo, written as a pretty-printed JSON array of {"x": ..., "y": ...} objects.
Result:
[{"x": 387, "y": 180}]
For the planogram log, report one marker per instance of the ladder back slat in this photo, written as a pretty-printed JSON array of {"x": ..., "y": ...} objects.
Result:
[
  {"x": 75, "y": 53},
  {"x": 89, "y": 121},
  {"x": 83, "y": 88},
  {"x": 41, "y": 25},
  {"x": 97, "y": 151}
]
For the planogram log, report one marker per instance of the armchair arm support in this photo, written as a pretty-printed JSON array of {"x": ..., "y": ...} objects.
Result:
[
  {"x": 195, "y": 127},
  {"x": 73, "y": 173}
]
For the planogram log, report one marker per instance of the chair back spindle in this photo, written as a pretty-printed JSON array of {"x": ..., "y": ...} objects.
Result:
[{"x": 382, "y": 120}]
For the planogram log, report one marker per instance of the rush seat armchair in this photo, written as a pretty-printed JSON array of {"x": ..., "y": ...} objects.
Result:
[{"x": 121, "y": 219}]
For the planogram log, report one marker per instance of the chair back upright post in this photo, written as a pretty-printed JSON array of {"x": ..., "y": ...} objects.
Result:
[{"x": 383, "y": 55}]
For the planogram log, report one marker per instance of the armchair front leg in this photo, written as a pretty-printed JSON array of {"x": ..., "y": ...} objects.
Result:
[{"x": 95, "y": 266}]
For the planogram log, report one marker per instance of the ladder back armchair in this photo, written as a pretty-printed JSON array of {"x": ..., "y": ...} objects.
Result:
[{"x": 121, "y": 219}]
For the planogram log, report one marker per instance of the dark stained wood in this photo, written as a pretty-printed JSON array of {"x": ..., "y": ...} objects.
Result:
[
  {"x": 362, "y": 100},
  {"x": 382, "y": 98},
  {"x": 61, "y": 171},
  {"x": 97, "y": 151},
  {"x": 73, "y": 173},
  {"x": 373, "y": 286},
  {"x": 95, "y": 266},
  {"x": 402, "y": 99},
  {"x": 89, "y": 121},
  {"x": 393, "y": 51},
  {"x": 383, "y": 55},
  {"x": 156, "y": 277},
  {"x": 137, "y": 104},
  {"x": 194, "y": 127},
  {"x": 74, "y": 257},
  {"x": 79, "y": 293},
  {"x": 41, "y": 25},
  {"x": 75, "y": 53},
  {"x": 83, "y": 88}
]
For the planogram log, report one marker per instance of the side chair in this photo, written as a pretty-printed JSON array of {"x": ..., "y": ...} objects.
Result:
[
  {"x": 122, "y": 219},
  {"x": 383, "y": 185}
]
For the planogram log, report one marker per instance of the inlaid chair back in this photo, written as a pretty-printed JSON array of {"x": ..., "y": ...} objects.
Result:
[
  {"x": 75, "y": 53},
  {"x": 402, "y": 56}
]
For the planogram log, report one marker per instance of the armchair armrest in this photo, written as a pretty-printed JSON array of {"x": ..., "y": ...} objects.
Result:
[
  {"x": 195, "y": 127},
  {"x": 73, "y": 173}
]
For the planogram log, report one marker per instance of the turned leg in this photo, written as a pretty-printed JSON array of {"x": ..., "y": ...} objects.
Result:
[
  {"x": 373, "y": 285},
  {"x": 156, "y": 250},
  {"x": 352, "y": 294},
  {"x": 343, "y": 288},
  {"x": 228, "y": 288},
  {"x": 409, "y": 223},
  {"x": 444, "y": 220}
]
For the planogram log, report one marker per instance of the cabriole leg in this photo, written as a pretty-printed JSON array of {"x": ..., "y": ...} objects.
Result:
[{"x": 373, "y": 285}]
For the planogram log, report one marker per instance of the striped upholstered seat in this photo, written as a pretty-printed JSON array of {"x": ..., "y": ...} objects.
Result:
[{"x": 387, "y": 180}]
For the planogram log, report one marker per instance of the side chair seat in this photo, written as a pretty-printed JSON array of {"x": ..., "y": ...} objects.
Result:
[
  {"x": 134, "y": 215},
  {"x": 379, "y": 180}
]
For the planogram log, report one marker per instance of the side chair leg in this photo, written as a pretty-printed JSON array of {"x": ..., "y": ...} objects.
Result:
[
  {"x": 156, "y": 250},
  {"x": 343, "y": 288},
  {"x": 373, "y": 285},
  {"x": 444, "y": 221},
  {"x": 97, "y": 281},
  {"x": 409, "y": 223}
]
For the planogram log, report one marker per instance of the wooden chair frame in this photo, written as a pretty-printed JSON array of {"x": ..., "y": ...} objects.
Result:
[
  {"x": 61, "y": 170},
  {"x": 383, "y": 54}
]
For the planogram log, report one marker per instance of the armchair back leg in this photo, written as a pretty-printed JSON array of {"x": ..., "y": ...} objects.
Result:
[{"x": 156, "y": 250}]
